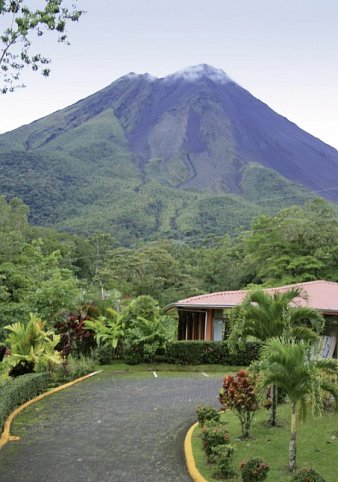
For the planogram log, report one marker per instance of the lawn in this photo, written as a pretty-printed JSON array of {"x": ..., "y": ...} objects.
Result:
[{"x": 317, "y": 444}]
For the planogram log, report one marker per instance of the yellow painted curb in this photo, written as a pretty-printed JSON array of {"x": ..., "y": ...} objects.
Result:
[
  {"x": 189, "y": 457},
  {"x": 5, "y": 436}
]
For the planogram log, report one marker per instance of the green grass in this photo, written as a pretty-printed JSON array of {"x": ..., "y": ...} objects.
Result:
[{"x": 317, "y": 441}]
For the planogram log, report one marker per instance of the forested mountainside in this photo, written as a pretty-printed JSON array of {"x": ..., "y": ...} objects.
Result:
[{"x": 180, "y": 157}]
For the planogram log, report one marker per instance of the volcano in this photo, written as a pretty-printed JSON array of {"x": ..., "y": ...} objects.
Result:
[{"x": 186, "y": 155}]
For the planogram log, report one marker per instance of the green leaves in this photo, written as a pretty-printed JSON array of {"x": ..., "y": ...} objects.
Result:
[
  {"x": 109, "y": 330},
  {"x": 160, "y": 269},
  {"x": 31, "y": 343},
  {"x": 22, "y": 23},
  {"x": 35, "y": 282},
  {"x": 262, "y": 316},
  {"x": 297, "y": 244},
  {"x": 139, "y": 328},
  {"x": 287, "y": 364}
]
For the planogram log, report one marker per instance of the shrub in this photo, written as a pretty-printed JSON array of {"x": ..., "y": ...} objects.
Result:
[
  {"x": 209, "y": 353},
  {"x": 206, "y": 414},
  {"x": 254, "y": 470},
  {"x": 307, "y": 475},
  {"x": 75, "y": 368},
  {"x": 75, "y": 337},
  {"x": 78, "y": 367},
  {"x": 132, "y": 355},
  {"x": 103, "y": 355},
  {"x": 147, "y": 329},
  {"x": 222, "y": 457},
  {"x": 17, "y": 391},
  {"x": 238, "y": 394},
  {"x": 214, "y": 434}
]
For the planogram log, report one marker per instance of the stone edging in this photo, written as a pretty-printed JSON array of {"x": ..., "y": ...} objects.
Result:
[
  {"x": 189, "y": 457},
  {"x": 6, "y": 437}
]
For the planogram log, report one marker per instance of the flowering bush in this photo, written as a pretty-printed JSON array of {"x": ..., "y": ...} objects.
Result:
[
  {"x": 213, "y": 435},
  {"x": 206, "y": 414},
  {"x": 307, "y": 475},
  {"x": 238, "y": 394},
  {"x": 254, "y": 470}
]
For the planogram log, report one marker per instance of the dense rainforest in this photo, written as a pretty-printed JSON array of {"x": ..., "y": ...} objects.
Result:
[{"x": 49, "y": 273}]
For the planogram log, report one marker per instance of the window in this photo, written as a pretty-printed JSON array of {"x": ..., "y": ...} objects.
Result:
[{"x": 191, "y": 325}]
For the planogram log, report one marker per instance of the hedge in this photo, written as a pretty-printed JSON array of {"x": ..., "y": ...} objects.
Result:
[
  {"x": 17, "y": 391},
  {"x": 209, "y": 352}
]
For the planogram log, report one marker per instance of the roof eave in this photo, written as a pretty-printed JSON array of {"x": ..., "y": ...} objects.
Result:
[
  {"x": 223, "y": 306},
  {"x": 200, "y": 305}
]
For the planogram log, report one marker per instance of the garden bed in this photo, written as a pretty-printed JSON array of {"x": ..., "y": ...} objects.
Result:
[{"x": 317, "y": 441}]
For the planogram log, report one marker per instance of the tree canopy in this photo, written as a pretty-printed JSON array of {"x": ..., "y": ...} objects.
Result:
[
  {"x": 297, "y": 244},
  {"x": 39, "y": 263}
]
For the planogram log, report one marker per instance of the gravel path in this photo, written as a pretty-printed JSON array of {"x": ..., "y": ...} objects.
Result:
[{"x": 109, "y": 428}]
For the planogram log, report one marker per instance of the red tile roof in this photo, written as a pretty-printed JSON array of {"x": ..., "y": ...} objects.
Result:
[{"x": 321, "y": 295}]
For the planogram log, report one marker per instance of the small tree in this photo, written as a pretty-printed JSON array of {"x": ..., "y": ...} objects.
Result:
[
  {"x": 287, "y": 364},
  {"x": 238, "y": 394},
  {"x": 262, "y": 316}
]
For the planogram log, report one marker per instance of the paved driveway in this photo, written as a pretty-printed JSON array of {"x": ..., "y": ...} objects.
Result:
[{"x": 111, "y": 427}]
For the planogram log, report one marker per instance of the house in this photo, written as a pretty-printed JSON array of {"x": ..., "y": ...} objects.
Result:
[{"x": 203, "y": 317}]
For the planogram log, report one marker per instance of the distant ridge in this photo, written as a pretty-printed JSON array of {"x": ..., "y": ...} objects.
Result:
[{"x": 182, "y": 156}]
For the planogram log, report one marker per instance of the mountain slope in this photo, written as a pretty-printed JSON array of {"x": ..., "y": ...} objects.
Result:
[{"x": 182, "y": 156}]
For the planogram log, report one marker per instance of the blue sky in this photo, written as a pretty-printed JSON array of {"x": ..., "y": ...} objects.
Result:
[{"x": 283, "y": 52}]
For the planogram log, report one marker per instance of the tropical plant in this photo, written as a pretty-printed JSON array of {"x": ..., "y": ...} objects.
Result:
[
  {"x": 109, "y": 330},
  {"x": 238, "y": 394},
  {"x": 75, "y": 338},
  {"x": 147, "y": 329},
  {"x": 262, "y": 316},
  {"x": 287, "y": 364},
  {"x": 31, "y": 347}
]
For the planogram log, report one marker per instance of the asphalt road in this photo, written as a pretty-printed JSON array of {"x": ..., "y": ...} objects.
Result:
[{"x": 111, "y": 427}]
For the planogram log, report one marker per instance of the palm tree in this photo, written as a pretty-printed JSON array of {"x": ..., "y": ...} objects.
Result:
[
  {"x": 262, "y": 316},
  {"x": 286, "y": 364}
]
